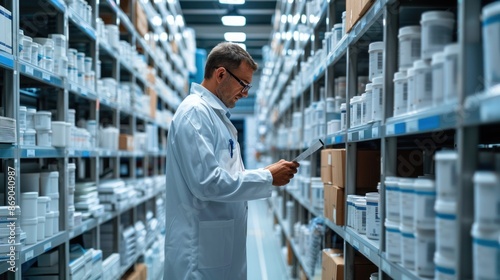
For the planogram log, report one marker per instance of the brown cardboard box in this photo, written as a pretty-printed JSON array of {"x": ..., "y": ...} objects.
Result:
[
  {"x": 338, "y": 268},
  {"x": 328, "y": 201},
  {"x": 289, "y": 257},
  {"x": 140, "y": 20},
  {"x": 367, "y": 168},
  {"x": 338, "y": 205},
  {"x": 355, "y": 9},
  {"x": 153, "y": 101},
  {"x": 326, "y": 166},
  {"x": 126, "y": 142},
  {"x": 328, "y": 265},
  {"x": 140, "y": 273}
]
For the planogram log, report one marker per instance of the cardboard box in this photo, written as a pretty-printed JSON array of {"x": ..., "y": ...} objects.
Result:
[
  {"x": 338, "y": 206},
  {"x": 326, "y": 166},
  {"x": 338, "y": 267},
  {"x": 329, "y": 270},
  {"x": 153, "y": 101},
  {"x": 367, "y": 168},
  {"x": 140, "y": 273},
  {"x": 126, "y": 142},
  {"x": 327, "y": 201},
  {"x": 140, "y": 20},
  {"x": 289, "y": 258},
  {"x": 355, "y": 9}
]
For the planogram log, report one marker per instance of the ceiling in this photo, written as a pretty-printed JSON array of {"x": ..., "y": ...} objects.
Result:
[{"x": 204, "y": 16}]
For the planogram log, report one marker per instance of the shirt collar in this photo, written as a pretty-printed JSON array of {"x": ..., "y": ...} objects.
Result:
[{"x": 213, "y": 100}]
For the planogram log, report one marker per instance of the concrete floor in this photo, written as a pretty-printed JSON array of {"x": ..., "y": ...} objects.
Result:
[{"x": 264, "y": 258}]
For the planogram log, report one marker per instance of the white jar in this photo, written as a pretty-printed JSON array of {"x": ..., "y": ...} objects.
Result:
[
  {"x": 450, "y": 73},
  {"x": 351, "y": 209},
  {"x": 425, "y": 198},
  {"x": 446, "y": 225},
  {"x": 340, "y": 86},
  {"x": 29, "y": 137},
  {"x": 317, "y": 195},
  {"x": 485, "y": 256},
  {"x": 369, "y": 102},
  {"x": 406, "y": 201},
  {"x": 43, "y": 120},
  {"x": 30, "y": 225},
  {"x": 372, "y": 215},
  {"x": 59, "y": 134},
  {"x": 446, "y": 174},
  {"x": 392, "y": 241},
  {"x": 49, "y": 224},
  {"x": 35, "y": 53},
  {"x": 400, "y": 93},
  {"x": 486, "y": 200},
  {"x": 42, "y": 205},
  {"x": 437, "y": 31},
  {"x": 392, "y": 199},
  {"x": 337, "y": 35},
  {"x": 59, "y": 44},
  {"x": 423, "y": 84},
  {"x": 491, "y": 44},
  {"x": 411, "y": 89},
  {"x": 407, "y": 246},
  {"x": 377, "y": 99},
  {"x": 22, "y": 117},
  {"x": 71, "y": 174},
  {"x": 437, "y": 66},
  {"x": 424, "y": 251},
  {"x": 362, "y": 104},
  {"x": 409, "y": 46},
  {"x": 446, "y": 269},
  {"x": 376, "y": 66},
  {"x": 40, "y": 231},
  {"x": 25, "y": 50},
  {"x": 343, "y": 119},
  {"x": 80, "y": 62},
  {"x": 30, "y": 118},
  {"x": 360, "y": 205},
  {"x": 44, "y": 138},
  {"x": 49, "y": 182},
  {"x": 29, "y": 205},
  {"x": 355, "y": 111}
]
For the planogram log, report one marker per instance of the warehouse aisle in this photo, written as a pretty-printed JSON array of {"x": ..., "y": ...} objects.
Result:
[{"x": 265, "y": 261}]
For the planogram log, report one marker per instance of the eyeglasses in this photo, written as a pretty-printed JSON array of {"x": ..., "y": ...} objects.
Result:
[{"x": 246, "y": 87}]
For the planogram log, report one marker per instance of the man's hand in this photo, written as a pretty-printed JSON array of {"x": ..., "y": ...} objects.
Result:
[{"x": 282, "y": 171}]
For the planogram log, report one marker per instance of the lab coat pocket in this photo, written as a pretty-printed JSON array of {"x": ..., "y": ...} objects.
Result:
[{"x": 216, "y": 240}]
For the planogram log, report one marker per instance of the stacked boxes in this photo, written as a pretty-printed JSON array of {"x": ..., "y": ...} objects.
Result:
[{"x": 355, "y": 9}]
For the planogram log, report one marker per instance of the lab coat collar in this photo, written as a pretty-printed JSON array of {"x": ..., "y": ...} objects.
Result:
[{"x": 211, "y": 99}]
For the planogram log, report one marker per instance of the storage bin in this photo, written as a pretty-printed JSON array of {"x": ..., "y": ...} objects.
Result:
[
  {"x": 491, "y": 43},
  {"x": 376, "y": 53},
  {"x": 437, "y": 31},
  {"x": 409, "y": 46}
]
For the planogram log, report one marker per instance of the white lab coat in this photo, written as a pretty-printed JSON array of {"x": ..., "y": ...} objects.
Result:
[{"x": 207, "y": 190}]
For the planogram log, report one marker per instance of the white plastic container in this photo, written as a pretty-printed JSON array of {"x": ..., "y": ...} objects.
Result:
[
  {"x": 485, "y": 253},
  {"x": 360, "y": 205},
  {"x": 392, "y": 241},
  {"x": 317, "y": 195},
  {"x": 410, "y": 76},
  {"x": 30, "y": 226},
  {"x": 71, "y": 175},
  {"x": 59, "y": 134},
  {"x": 425, "y": 198},
  {"x": 407, "y": 246},
  {"x": 423, "y": 84},
  {"x": 437, "y": 31},
  {"x": 437, "y": 66},
  {"x": 400, "y": 93},
  {"x": 409, "y": 45},
  {"x": 351, "y": 209},
  {"x": 55, "y": 223},
  {"x": 377, "y": 98},
  {"x": 340, "y": 86},
  {"x": 71, "y": 217},
  {"x": 80, "y": 62},
  {"x": 43, "y": 120},
  {"x": 30, "y": 120},
  {"x": 59, "y": 44},
  {"x": 44, "y": 138},
  {"x": 35, "y": 54},
  {"x": 372, "y": 216},
  {"x": 49, "y": 182},
  {"x": 54, "y": 201},
  {"x": 354, "y": 106},
  {"x": 376, "y": 52},
  {"x": 25, "y": 47},
  {"x": 392, "y": 199},
  {"x": 71, "y": 116},
  {"x": 487, "y": 200},
  {"x": 406, "y": 201},
  {"x": 451, "y": 73},
  {"x": 368, "y": 101},
  {"x": 446, "y": 174},
  {"x": 40, "y": 231},
  {"x": 424, "y": 251},
  {"x": 374, "y": 276},
  {"x": 446, "y": 225},
  {"x": 49, "y": 224},
  {"x": 446, "y": 269},
  {"x": 343, "y": 119},
  {"x": 363, "y": 109},
  {"x": 22, "y": 117},
  {"x": 43, "y": 205},
  {"x": 491, "y": 44},
  {"x": 29, "y": 205}
]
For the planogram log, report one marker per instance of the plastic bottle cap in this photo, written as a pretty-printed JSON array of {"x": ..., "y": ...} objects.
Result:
[
  {"x": 378, "y": 81},
  {"x": 420, "y": 64},
  {"x": 398, "y": 76},
  {"x": 451, "y": 49},
  {"x": 376, "y": 46},
  {"x": 446, "y": 155},
  {"x": 437, "y": 58},
  {"x": 369, "y": 87},
  {"x": 410, "y": 30},
  {"x": 492, "y": 9},
  {"x": 437, "y": 15}
]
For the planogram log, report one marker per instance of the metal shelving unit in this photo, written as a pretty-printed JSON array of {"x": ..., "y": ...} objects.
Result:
[
  {"x": 59, "y": 94},
  {"x": 467, "y": 124}
]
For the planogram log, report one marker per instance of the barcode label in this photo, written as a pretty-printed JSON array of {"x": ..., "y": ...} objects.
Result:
[
  {"x": 428, "y": 85},
  {"x": 376, "y": 213},
  {"x": 29, "y": 70},
  {"x": 379, "y": 60},
  {"x": 363, "y": 220},
  {"x": 405, "y": 93}
]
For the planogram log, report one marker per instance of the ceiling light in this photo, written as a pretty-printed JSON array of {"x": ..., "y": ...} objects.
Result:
[
  {"x": 235, "y": 36},
  {"x": 232, "y": 2},
  {"x": 232, "y": 18}
]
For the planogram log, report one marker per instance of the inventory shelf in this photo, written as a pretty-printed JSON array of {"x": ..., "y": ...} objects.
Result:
[
  {"x": 80, "y": 24},
  {"x": 482, "y": 108},
  {"x": 34, "y": 250},
  {"x": 365, "y": 132},
  {"x": 126, "y": 267},
  {"x": 6, "y": 60},
  {"x": 51, "y": 152},
  {"x": 296, "y": 252}
]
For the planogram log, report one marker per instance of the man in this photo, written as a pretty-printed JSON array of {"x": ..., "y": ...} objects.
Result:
[{"x": 208, "y": 187}]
